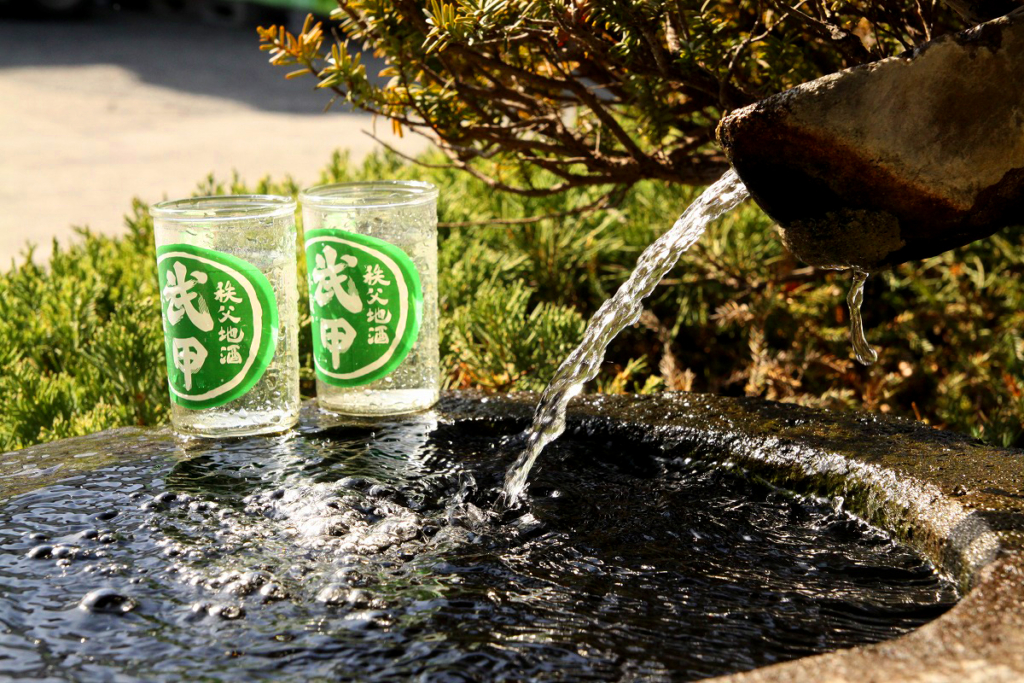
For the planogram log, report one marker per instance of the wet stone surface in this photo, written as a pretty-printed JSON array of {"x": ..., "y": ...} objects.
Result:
[
  {"x": 894, "y": 160},
  {"x": 368, "y": 552}
]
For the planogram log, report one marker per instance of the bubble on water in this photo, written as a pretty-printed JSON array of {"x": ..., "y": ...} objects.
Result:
[
  {"x": 223, "y": 579},
  {"x": 357, "y": 597},
  {"x": 352, "y": 483},
  {"x": 106, "y": 515},
  {"x": 384, "y": 534},
  {"x": 363, "y": 620},
  {"x": 165, "y": 500},
  {"x": 379, "y": 491},
  {"x": 273, "y": 591},
  {"x": 226, "y": 612},
  {"x": 40, "y": 552},
  {"x": 64, "y": 551},
  {"x": 89, "y": 534},
  {"x": 333, "y": 594},
  {"x": 107, "y": 601},
  {"x": 247, "y": 583}
]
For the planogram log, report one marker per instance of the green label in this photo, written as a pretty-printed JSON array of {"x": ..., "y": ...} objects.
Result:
[
  {"x": 220, "y": 324},
  {"x": 366, "y": 303}
]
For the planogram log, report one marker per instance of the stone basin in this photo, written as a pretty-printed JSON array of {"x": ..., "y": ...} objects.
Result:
[{"x": 957, "y": 502}]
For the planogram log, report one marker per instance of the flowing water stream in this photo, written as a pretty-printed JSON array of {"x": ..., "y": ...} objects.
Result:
[
  {"x": 861, "y": 349},
  {"x": 624, "y": 309},
  {"x": 617, "y": 313}
]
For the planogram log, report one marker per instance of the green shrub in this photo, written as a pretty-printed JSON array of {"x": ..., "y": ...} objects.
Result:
[
  {"x": 610, "y": 92},
  {"x": 81, "y": 345},
  {"x": 81, "y": 339}
]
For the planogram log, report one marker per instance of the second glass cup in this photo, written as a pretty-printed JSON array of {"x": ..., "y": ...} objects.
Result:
[{"x": 371, "y": 259}]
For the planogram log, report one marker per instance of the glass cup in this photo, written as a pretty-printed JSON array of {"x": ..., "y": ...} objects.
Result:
[
  {"x": 228, "y": 294},
  {"x": 371, "y": 261}
]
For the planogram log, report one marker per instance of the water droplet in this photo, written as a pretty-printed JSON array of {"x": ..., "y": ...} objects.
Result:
[
  {"x": 107, "y": 601},
  {"x": 861, "y": 349}
]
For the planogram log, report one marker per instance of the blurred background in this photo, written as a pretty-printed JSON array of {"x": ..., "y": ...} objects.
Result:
[{"x": 104, "y": 101}]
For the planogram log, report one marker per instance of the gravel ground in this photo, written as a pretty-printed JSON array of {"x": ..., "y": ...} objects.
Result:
[{"x": 133, "y": 103}]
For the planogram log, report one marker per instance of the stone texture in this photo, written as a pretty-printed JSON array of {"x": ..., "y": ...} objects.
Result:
[{"x": 897, "y": 160}]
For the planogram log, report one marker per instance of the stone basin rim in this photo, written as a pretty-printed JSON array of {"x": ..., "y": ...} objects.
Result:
[
  {"x": 950, "y": 497},
  {"x": 961, "y": 520},
  {"x": 954, "y": 499}
]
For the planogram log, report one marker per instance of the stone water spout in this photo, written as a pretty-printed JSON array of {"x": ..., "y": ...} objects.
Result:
[{"x": 897, "y": 160}]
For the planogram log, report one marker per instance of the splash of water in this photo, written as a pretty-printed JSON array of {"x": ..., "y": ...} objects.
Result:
[
  {"x": 861, "y": 349},
  {"x": 623, "y": 309}
]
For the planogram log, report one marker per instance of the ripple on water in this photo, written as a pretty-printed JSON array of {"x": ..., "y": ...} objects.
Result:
[{"x": 372, "y": 553}]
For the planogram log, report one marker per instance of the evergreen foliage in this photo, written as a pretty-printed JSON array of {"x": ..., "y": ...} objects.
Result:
[
  {"x": 81, "y": 343},
  {"x": 607, "y": 92}
]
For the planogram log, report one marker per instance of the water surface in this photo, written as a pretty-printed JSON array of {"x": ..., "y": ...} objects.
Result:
[{"x": 365, "y": 552}]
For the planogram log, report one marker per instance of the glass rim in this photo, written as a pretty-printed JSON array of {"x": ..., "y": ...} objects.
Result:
[
  {"x": 369, "y": 194},
  {"x": 225, "y": 207}
]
